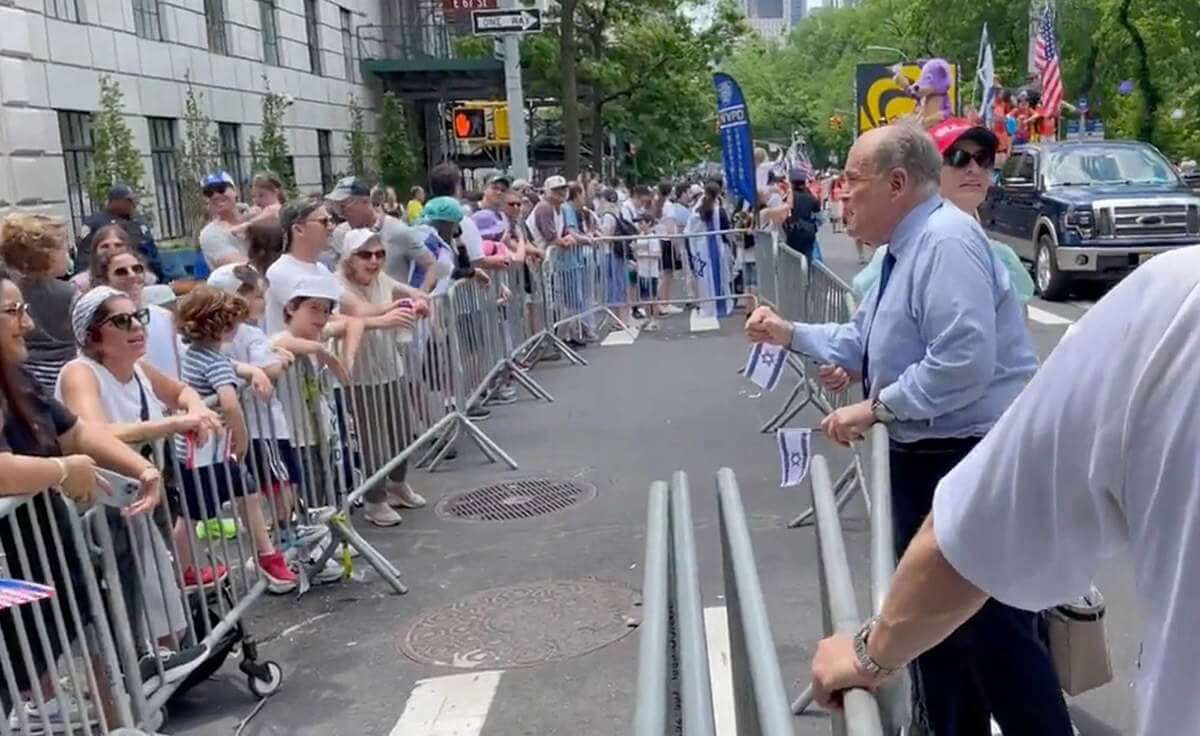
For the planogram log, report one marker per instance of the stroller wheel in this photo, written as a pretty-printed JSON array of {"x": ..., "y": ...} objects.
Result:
[{"x": 265, "y": 688}]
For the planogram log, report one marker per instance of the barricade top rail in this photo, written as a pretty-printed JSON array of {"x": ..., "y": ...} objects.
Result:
[{"x": 664, "y": 236}]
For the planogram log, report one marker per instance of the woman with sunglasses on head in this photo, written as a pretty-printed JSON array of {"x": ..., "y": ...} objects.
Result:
[
  {"x": 378, "y": 399},
  {"x": 125, "y": 271},
  {"x": 36, "y": 246}
]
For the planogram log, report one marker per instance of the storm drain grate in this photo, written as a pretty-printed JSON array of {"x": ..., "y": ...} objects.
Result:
[{"x": 516, "y": 499}]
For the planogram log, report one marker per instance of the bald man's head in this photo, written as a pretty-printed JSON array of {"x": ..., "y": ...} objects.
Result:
[{"x": 888, "y": 172}]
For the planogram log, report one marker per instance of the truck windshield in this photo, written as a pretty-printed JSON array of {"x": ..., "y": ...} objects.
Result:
[{"x": 1094, "y": 165}]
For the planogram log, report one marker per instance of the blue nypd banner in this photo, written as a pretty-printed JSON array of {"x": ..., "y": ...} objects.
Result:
[{"x": 737, "y": 151}]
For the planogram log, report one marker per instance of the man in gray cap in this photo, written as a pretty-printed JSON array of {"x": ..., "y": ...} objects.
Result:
[
  {"x": 122, "y": 204},
  {"x": 405, "y": 245}
]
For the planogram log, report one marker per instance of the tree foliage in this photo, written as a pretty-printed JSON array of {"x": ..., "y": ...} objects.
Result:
[
  {"x": 1155, "y": 44},
  {"x": 358, "y": 144},
  {"x": 115, "y": 159},
  {"x": 269, "y": 152},
  {"x": 395, "y": 150},
  {"x": 201, "y": 155}
]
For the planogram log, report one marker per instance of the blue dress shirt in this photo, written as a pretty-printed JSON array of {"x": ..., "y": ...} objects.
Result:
[{"x": 948, "y": 346}]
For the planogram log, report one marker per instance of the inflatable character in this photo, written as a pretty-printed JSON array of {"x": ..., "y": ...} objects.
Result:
[{"x": 932, "y": 90}]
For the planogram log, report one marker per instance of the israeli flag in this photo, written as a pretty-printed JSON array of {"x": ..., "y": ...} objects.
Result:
[
  {"x": 794, "y": 454},
  {"x": 765, "y": 365},
  {"x": 710, "y": 260}
]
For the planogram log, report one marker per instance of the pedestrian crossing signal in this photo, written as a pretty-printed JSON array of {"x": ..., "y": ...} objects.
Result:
[{"x": 470, "y": 123}]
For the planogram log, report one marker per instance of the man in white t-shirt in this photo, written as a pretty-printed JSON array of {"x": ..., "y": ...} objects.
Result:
[{"x": 1098, "y": 456}]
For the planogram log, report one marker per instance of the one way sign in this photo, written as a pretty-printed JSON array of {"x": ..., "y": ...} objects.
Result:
[{"x": 484, "y": 22}]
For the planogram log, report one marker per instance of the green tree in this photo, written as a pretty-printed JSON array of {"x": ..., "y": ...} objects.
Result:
[
  {"x": 201, "y": 155},
  {"x": 358, "y": 144},
  {"x": 395, "y": 151},
  {"x": 270, "y": 150},
  {"x": 115, "y": 158}
]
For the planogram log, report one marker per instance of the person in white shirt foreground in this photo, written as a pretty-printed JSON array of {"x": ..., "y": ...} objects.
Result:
[{"x": 1099, "y": 455}]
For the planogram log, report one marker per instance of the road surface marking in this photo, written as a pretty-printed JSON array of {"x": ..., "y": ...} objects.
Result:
[
  {"x": 720, "y": 671},
  {"x": 620, "y": 337},
  {"x": 453, "y": 705},
  {"x": 1047, "y": 318},
  {"x": 703, "y": 324}
]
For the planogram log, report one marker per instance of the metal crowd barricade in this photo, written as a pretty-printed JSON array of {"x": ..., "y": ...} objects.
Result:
[
  {"x": 766, "y": 253},
  {"x": 760, "y": 700},
  {"x": 839, "y": 613},
  {"x": 674, "y": 687}
]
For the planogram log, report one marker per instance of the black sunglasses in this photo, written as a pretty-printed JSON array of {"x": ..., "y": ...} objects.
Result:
[
  {"x": 957, "y": 158},
  {"x": 124, "y": 321},
  {"x": 371, "y": 255}
]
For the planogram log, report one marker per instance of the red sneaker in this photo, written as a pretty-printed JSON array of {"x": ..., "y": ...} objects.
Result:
[
  {"x": 280, "y": 578},
  {"x": 207, "y": 576}
]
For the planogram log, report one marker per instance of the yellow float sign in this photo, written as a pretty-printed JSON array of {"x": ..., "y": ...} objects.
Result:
[{"x": 880, "y": 99}]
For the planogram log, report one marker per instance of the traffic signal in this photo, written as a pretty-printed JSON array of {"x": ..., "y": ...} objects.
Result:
[
  {"x": 470, "y": 123},
  {"x": 836, "y": 122}
]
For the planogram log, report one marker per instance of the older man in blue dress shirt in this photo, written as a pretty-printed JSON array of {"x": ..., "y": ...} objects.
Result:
[{"x": 942, "y": 348}]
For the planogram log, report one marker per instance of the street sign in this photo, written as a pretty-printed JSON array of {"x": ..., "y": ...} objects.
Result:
[
  {"x": 485, "y": 22},
  {"x": 1082, "y": 106},
  {"x": 462, "y": 6}
]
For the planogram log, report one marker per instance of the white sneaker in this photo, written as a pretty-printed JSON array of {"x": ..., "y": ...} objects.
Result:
[
  {"x": 402, "y": 496},
  {"x": 380, "y": 514},
  {"x": 330, "y": 572},
  {"x": 651, "y": 326},
  {"x": 672, "y": 309}
]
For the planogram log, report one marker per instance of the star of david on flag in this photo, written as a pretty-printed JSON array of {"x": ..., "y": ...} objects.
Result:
[
  {"x": 765, "y": 365},
  {"x": 795, "y": 447}
]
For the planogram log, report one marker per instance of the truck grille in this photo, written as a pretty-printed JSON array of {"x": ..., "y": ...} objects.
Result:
[{"x": 1145, "y": 220}]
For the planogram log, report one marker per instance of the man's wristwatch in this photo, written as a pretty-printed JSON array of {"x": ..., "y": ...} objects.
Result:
[
  {"x": 883, "y": 415},
  {"x": 868, "y": 664}
]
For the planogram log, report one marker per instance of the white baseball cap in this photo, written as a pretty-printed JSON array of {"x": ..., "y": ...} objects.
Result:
[
  {"x": 357, "y": 239},
  {"x": 224, "y": 278},
  {"x": 320, "y": 288},
  {"x": 554, "y": 182}
]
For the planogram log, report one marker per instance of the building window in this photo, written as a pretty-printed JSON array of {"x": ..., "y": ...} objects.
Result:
[
  {"x": 214, "y": 22},
  {"x": 75, "y": 130},
  {"x": 63, "y": 9},
  {"x": 325, "y": 159},
  {"x": 231, "y": 151},
  {"x": 270, "y": 33},
  {"x": 146, "y": 20},
  {"x": 314, "y": 36},
  {"x": 166, "y": 177},
  {"x": 347, "y": 44}
]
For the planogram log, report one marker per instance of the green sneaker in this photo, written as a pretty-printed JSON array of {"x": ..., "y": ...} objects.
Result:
[{"x": 216, "y": 529}]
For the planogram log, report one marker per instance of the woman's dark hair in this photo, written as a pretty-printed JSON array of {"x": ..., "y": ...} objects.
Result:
[
  {"x": 15, "y": 386},
  {"x": 712, "y": 191},
  {"x": 206, "y": 313},
  {"x": 293, "y": 214},
  {"x": 98, "y": 269},
  {"x": 681, "y": 190},
  {"x": 264, "y": 241},
  {"x": 109, "y": 231},
  {"x": 444, "y": 179},
  {"x": 664, "y": 189},
  {"x": 102, "y": 313}
]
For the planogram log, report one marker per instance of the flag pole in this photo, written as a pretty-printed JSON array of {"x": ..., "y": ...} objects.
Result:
[{"x": 978, "y": 63}]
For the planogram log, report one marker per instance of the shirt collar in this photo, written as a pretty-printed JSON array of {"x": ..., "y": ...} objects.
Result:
[{"x": 913, "y": 222}]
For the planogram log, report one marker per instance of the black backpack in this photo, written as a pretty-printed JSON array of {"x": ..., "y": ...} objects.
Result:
[{"x": 623, "y": 228}]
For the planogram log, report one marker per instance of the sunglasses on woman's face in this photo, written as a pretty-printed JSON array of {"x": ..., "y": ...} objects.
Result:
[
  {"x": 957, "y": 158},
  {"x": 134, "y": 270},
  {"x": 371, "y": 255},
  {"x": 124, "y": 321}
]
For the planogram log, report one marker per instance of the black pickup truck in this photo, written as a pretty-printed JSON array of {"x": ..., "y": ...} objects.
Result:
[{"x": 1089, "y": 210}]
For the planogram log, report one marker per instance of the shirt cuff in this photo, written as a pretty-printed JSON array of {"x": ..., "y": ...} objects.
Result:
[
  {"x": 892, "y": 396},
  {"x": 804, "y": 340}
]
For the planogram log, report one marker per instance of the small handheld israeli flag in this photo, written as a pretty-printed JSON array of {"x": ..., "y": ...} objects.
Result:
[
  {"x": 765, "y": 365},
  {"x": 794, "y": 454}
]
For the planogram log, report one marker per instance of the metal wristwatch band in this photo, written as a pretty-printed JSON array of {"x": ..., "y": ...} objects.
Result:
[{"x": 873, "y": 668}]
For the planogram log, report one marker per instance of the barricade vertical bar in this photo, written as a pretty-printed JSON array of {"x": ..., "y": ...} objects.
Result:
[
  {"x": 695, "y": 685},
  {"x": 861, "y": 713},
  {"x": 764, "y": 709},
  {"x": 650, "y": 713}
]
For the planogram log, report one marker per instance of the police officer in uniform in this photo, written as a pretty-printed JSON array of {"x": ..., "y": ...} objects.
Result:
[{"x": 122, "y": 203}]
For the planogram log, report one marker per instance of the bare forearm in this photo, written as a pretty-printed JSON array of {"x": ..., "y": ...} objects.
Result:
[
  {"x": 927, "y": 601},
  {"x": 107, "y": 450},
  {"x": 21, "y": 475}
]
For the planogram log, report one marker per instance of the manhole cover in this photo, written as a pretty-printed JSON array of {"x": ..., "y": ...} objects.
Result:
[
  {"x": 523, "y": 625},
  {"x": 515, "y": 499}
]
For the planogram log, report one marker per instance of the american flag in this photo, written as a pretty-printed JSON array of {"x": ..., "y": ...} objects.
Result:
[
  {"x": 16, "y": 592},
  {"x": 1045, "y": 54}
]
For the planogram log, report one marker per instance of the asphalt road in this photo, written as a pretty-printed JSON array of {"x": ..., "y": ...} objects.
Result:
[{"x": 670, "y": 401}]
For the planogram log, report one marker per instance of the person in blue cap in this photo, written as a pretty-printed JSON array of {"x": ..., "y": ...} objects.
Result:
[{"x": 120, "y": 210}]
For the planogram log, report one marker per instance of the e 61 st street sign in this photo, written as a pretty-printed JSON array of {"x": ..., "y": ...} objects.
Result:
[{"x": 486, "y": 22}]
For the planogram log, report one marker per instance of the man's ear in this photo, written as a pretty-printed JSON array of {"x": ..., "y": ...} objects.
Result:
[{"x": 897, "y": 182}]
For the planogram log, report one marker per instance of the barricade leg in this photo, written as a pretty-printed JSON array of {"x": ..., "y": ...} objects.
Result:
[
  {"x": 848, "y": 483},
  {"x": 530, "y": 385}
]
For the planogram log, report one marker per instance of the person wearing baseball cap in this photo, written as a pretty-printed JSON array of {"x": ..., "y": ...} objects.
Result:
[
  {"x": 968, "y": 160},
  {"x": 221, "y": 239},
  {"x": 121, "y": 210},
  {"x": 404, "y": 243}
]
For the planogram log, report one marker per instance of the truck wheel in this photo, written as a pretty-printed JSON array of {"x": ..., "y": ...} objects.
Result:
[{"x": 1052, "y": 284}]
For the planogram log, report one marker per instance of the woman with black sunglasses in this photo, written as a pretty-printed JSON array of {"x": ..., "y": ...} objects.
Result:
[{"x": 125, "y": 271}]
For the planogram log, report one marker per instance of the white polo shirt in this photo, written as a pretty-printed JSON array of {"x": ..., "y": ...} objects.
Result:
[{"x": 1099, "y": 455}]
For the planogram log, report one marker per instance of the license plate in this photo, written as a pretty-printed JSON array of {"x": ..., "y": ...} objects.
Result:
[{"x": 1143, "y": 257}]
